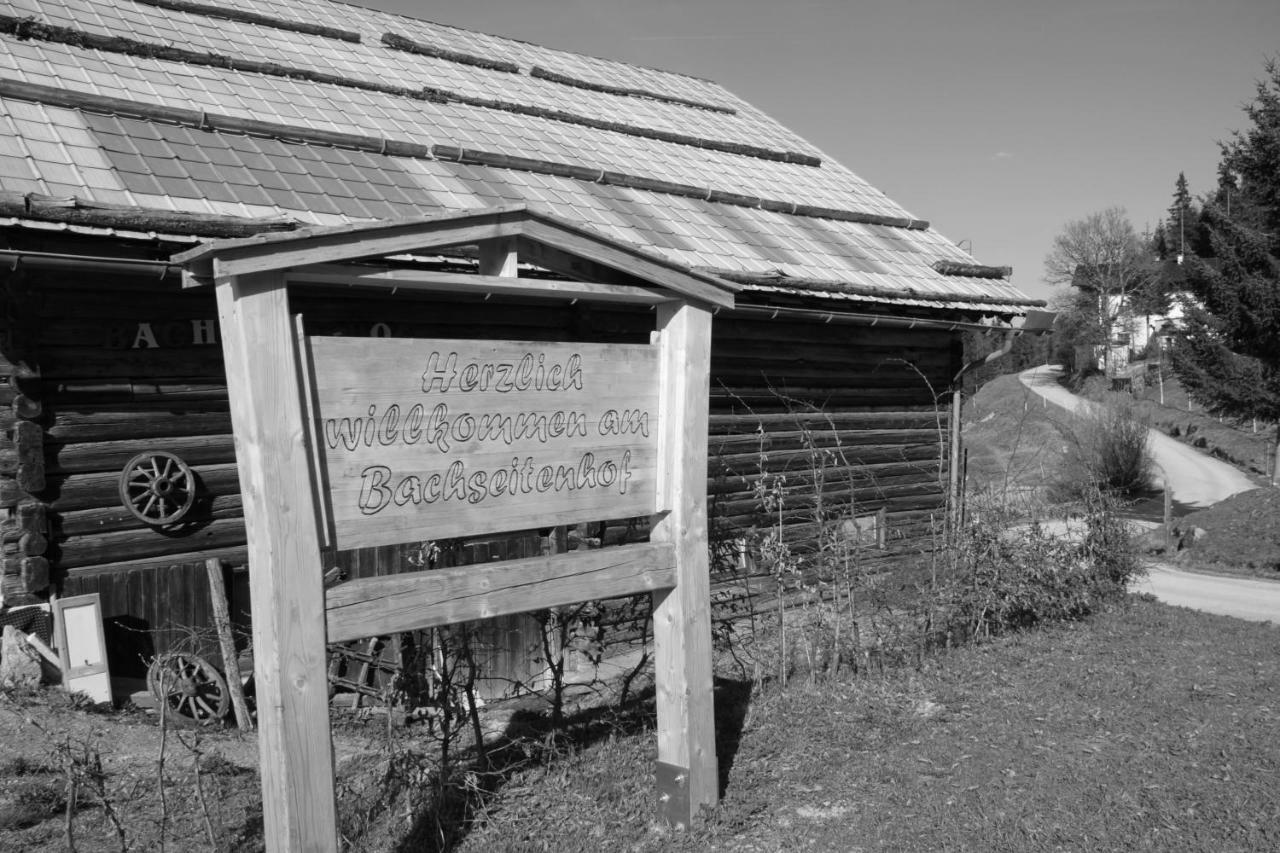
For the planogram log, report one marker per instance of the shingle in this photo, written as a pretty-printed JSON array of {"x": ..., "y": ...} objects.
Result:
[
  {"x": 138, "y": 182},
  {"x": 351, "y": 207},
  {"x": 179, "y": 187},
  {"x": 188, "y": 153},
  {"x": 269, "y": 179},
  {"x": 285, "y": 198},
  {"x": 15, "y": 167},
  {"x": 165, "y": 167},
  {"x": 334, "y": 187},
  {"x": 127, "y": 163},
  {"x": 252, "y": 195},
  {"x": 216, "y": 191},
  {"x": 202, "y": 171},
  {"x": 318, "y": 203}
]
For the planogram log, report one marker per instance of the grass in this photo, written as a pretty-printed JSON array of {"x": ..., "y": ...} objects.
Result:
[
  {"x": 1234, "y": 442},
  {"x": 1142, "y": 728},
  {"x": 1132, "y": 731},
  {"x": 1013, "y": 437},
  {"x": 1241, "y": 535}
]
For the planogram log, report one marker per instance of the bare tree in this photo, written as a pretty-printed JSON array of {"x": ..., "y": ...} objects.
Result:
[{"x": 1105, "y": 258}]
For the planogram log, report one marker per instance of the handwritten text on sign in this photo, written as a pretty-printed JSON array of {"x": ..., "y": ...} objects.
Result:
[{"x": 431, "y": 439}]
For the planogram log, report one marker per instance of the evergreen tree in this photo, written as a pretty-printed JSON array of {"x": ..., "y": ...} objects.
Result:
[
  {"x": 1160, "y": 243},
  {"x": 1229, "y": 354},
  {"x": 1182, "y": 218},
  {"x": 1227, "y": 187}
]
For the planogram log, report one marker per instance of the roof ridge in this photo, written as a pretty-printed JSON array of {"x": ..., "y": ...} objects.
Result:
[{"x": 30, "y": 28}]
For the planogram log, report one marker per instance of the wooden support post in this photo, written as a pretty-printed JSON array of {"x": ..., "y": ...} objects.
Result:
[
  {"x": 285, "y": 573},
  {"x": 227, "y": 643},
  {"x": 687, "y": 771},
  {"x": 498, "y": 257}
]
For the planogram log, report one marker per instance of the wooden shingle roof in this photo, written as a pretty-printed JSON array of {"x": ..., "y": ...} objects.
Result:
[{"x": 325, "y": 113}]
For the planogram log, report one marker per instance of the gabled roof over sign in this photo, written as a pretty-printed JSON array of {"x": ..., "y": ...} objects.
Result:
[
  {"x": 345, "y": 243},
  {"x": 187, "y": 115}
]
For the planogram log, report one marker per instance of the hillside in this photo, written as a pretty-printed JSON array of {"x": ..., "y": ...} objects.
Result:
[{"x": 1014, "y": 444}]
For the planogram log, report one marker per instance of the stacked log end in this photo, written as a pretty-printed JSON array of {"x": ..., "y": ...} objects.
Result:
[{"x": 24, "y": 530}]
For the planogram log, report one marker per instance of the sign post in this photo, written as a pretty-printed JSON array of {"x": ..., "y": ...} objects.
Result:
[{"x": 295, "y": 750}]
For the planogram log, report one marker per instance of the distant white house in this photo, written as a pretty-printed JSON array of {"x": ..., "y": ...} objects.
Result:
[{"x": 1130, "y": 347}]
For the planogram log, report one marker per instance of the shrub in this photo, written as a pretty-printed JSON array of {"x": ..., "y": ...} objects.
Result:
[
  {"x": 1106, "y": 451},
  {"x": 1003, "y": 578}
]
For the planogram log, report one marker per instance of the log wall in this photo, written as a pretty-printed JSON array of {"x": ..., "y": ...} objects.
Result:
[{"x": 106, "y": 367}]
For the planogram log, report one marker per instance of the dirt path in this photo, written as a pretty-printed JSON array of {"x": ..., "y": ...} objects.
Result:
[{"x": 1194, "y": 479}]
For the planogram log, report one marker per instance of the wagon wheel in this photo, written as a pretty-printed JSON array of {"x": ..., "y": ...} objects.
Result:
[
  {"x": 188, "y": 688},
  {"x": 157, "y": 487}
]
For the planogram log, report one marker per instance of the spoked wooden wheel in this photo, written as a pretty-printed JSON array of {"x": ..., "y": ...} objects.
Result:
[
  {"x": 189, "y": 689},
  {"x": 157, "y": 487}
]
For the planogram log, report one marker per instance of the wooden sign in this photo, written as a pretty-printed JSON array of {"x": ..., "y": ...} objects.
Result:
[{"x": 434, "y": 438}]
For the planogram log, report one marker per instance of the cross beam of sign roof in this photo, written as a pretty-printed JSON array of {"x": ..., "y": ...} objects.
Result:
[
  {"x": 397, "y": 148},
  {"x": 27, "y": 28}
]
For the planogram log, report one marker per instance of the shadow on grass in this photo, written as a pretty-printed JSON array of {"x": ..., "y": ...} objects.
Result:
[{"x": 451, "y": 810}]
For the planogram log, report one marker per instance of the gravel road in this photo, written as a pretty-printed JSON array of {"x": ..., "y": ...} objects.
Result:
[{"x": 1197, "y": 480}]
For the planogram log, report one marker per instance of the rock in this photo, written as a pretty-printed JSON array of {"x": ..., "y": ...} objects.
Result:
[{"x": 19, "y": 663}]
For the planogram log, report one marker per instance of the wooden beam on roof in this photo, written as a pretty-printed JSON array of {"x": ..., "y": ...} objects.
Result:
[
  {"x": 426, "y": 281},
  {"x": 602, "y": 250},
  {"x": 553, "y": 260},
  {"x": 336, "y": 248},
  {"x": 266, "y": 252}
]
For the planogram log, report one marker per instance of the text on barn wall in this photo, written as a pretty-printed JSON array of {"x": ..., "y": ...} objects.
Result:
[
  {"x": 433, "y": 438},
  {"x": 169, "y": 334}
]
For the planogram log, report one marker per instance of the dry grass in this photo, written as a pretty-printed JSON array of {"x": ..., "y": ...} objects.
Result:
[{"x": 1129, "y": 732}]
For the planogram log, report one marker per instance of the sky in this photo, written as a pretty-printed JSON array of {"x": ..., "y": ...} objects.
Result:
[{"x": 998, "y": 121}]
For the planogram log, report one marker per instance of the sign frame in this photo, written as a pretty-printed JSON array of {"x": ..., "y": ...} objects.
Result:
[{"x": 293, "y": 618}]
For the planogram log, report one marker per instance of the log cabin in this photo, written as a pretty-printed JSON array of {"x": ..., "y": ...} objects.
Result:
[{"x": 132, "y": 131}]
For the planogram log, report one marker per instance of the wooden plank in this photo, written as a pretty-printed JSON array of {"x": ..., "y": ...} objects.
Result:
[
  {"x": 287, "y": 596},
  {"x": 226, "y": 642},
  {"x": 80, "y": 458},
  {"x": 91, "y": 491},
  {"x": 411, "y": 228},
  {"x": 484, "y": 285},
  {"x": 681, "y": 617},
  {"x": 144, "y": 542},
  {"x": 405, "y": 602},
  {"x": 639, "y": 264},
  {"x": 339, "y": 246}
]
